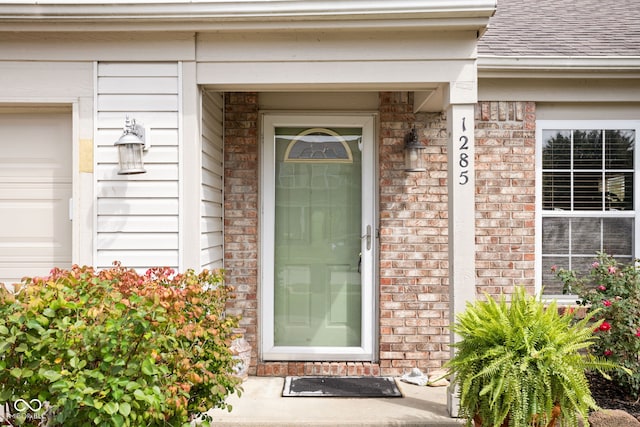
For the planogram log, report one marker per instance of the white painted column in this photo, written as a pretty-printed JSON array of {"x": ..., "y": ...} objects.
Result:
[
  {"x": 83, "y": 194},
  {"x": 461, "y": 190},
  {"x": 190, "y": 168}
]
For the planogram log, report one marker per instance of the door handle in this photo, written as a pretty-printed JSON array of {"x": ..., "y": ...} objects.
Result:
[{"x": 367, "y": 236}]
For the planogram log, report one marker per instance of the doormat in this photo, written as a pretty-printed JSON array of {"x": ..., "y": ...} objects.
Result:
[{"x": 340, "y": 387}]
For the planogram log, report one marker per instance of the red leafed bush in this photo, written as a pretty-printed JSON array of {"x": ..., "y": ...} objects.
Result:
[{"x": 116, "y": 348}]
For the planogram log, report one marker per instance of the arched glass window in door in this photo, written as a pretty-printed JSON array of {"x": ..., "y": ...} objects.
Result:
[{"x": 318, "y": 144}]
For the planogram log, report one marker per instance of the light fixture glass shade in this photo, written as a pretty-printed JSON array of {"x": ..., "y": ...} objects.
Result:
[
  {"x": 130, "y": 149},
  {"x": 413, "y": 153},
  {"x": 413, "y": 159}
]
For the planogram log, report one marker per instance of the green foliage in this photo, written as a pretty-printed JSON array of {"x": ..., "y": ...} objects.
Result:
[
  {"x": 114, "y": 348},
  {"x": 612, "y": 290},
  {"x": 518, "y": 362}
]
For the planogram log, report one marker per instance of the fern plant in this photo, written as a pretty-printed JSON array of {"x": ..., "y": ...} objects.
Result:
[{"x": 522, "y": 363}]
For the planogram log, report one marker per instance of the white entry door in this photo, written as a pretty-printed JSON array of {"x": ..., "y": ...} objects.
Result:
[
  {"x": 35, "y": 192},
  {"x": 318, "y": 238}
]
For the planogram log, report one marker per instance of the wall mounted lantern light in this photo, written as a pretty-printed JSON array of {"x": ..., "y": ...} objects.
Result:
[
  {"x": 413, "y": 156},
  {"x": 130, "y": 147}
]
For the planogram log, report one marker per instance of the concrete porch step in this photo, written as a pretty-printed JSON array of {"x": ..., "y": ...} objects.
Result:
[{"x": 261, "y": 404}]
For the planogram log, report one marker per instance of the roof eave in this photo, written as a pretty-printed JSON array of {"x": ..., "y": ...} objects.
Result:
[
  {"x": 67, "y": 15},
  {"x": 505, "y": 66}
]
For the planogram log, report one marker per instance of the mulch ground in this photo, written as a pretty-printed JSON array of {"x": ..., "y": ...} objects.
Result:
[{"x": 608, "y": 395}]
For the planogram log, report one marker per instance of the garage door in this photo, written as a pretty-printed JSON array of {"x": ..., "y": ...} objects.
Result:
[{"x": 35, "y": 189}]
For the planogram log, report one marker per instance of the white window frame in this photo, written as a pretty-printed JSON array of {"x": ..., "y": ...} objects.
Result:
[{"x": 542, "y": 125}]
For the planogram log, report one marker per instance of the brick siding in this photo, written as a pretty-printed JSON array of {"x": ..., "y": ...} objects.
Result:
[
  {"x": 414, "y": 307},
  {"x": 241, "y": 211},
  {"x": 414, "y": 295},
  {"x": 505, "y": 196}
]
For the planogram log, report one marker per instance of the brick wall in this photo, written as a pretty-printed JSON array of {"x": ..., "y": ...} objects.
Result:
[
  {"x": 241, "y": 210},
  {"x": 413, "y": 241},
  {"x": 505, "y": 196},
  {"x": 414, "y": 306}
]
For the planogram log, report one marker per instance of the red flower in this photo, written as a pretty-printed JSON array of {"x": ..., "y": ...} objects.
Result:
[
  {"x": 608, "y": 352},
  {"x": 638, "y": 332},
  {"x": 606, "y": 303},
  {"x": 602, "y": 288},
  {"x": 605, "y": 326}
]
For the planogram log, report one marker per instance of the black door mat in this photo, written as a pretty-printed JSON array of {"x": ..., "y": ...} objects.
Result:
[{"x": 340, "y": 387}]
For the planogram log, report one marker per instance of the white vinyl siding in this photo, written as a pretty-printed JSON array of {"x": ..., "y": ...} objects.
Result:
[
  {"x": 211, "y": 206},
  {"x": 137, "y": 215}
]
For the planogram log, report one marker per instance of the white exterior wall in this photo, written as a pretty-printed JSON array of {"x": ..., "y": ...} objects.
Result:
[
  {"x": 572, "y": 89},
  {"x": 212, "y": 203},
  {"x": 588, "y": 111},
  {"x": 138, "y": 215},
  {"x": 335, "y": 60}
]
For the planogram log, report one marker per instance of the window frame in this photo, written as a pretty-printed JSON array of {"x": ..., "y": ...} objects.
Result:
[{"x": 541, "y": 126}]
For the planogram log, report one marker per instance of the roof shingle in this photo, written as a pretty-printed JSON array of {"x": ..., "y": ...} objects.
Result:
[{"x": 563, "y": 28}]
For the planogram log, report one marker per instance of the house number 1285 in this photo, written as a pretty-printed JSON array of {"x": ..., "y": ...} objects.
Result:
[{"x": 463, "y": 156}]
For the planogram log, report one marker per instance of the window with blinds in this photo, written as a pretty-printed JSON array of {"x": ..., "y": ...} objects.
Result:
[{"x": 587, "y": 177}]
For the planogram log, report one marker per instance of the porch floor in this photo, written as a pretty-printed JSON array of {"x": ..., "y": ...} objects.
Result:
[{"x": 262, "y": 404}]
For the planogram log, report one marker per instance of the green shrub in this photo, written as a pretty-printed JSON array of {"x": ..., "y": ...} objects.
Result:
[
  {"x": 522, "y": 363},
  {"x": 115, "y": 348},
  {"x": 613, "y": 291}
]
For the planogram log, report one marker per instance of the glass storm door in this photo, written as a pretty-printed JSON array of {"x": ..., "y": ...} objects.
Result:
[{"x": 317, "y": 238}]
